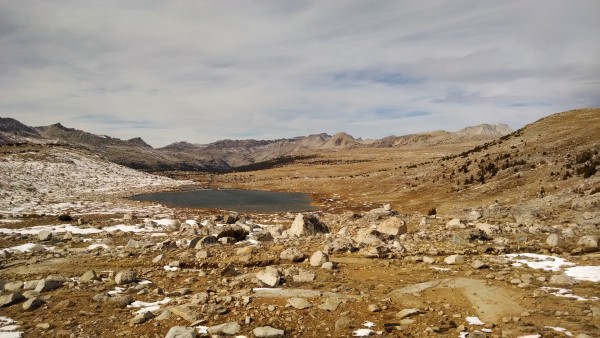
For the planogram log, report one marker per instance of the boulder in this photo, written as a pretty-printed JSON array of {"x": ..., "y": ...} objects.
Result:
[
  {"x": 377, "y": 214},
  {"x": 267, "y": 331},
  {"x": 182, "y": 332},
  {"x": 553, "y": 240},
  {"x": 306, "y": 225},
  {"x": 455, "y": 223},
  {"x": 10, "y": 299},
  {"x": 393, "y": 226},
  {"x": 225, "y": 328},
  {"x": 318, "y": 258},
  {"x": 454, "y": 259},
  {"x": 588, "y": 242},
  {"x": 270, "y": 276},
  {"x": 299, "y": 303},
  {"x": 125, "y": 277},
  {"x": 45, "y": 235},
  {"x": 292, "y": 254}
]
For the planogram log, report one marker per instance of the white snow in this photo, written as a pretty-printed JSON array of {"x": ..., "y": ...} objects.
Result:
[
  {"x": 474, "y": 321},
  {"x": 170, "y": 268},
  {"x": 553, "y": 263},
  {"x": 27, "y": 247},
  {"x": 565, "y": 293},
  {"x": 368, "y": 324},
  {"x": 560, "y": 329},
  {"x": 531, "y": 336},
  {"x": 98, "y": 245},
  {"x": 8, "y": 328},
  {"x": 440, "y": 268},
  {"x": 148, "y": 306},
  {"x": 537, "y": 261},
  {"x": 203, "y": 330},
  {"x": 362, "y": 333},
  {"x": 56, "y": 181},
  {"x": 116, "y": 291},
  {"x": 585, "y": 272}
]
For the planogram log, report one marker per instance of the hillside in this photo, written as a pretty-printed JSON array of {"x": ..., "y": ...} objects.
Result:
[{"x": 548, "y": 157}]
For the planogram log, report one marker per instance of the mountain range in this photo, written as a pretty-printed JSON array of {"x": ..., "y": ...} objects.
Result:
[{"x": 226, "y": 155}]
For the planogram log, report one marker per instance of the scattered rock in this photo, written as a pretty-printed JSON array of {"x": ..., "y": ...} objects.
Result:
[
  {"x": 88, "y": 276},
  {"x": 267, "y": 331},
  {"x": 306, "y": 225},
  {"x": 552, "y": 240},
  {"x": 292, "y": 254},
  {"x": 125, "y": 277},
  {"x": 270, "y": 276},
  {"x": 454, "y": 259},
  {"x": 318, "y": 258},
  {"x": 407, "y": 313},
  {"x": 10, "y": 299},
  {"x": 330, "y": 304},
  {"x": 32, "y": 304},
  {"x": 393, "y": 226},
  {"x": 182, "y": 332},
  {"x": 226, "y": 328},
  {"x": 299, "y": 303},
  {"x": 44, "y": 235}
]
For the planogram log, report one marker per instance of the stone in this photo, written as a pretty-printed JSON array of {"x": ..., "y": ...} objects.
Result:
[
  {"x": 234, "y": 231},
  {"x": 373, "y": 308},
  {"x": 67, "y": 236},
  {"x": 267, "y": 331},
  {"x": 14, "y": 286},
  {"x": 32, "y": 304},
  {"x": 141, "y": 318},
  {"x": 45, "y": 235},
  {"x": 477, "y": 264},
  {"x": 88, "y": 276},
  {"x": 552, "y": 240},
  {"x": 134, "y": 244},
  {"x": 10, "y": 299},
  {"x": 343, "y": 323},
  {"x": 393, "y": 226},
  {"x": 377, "y": 214},
  {"x": 318, "y": 258},
  {"x": 303, "y": 276},
  {"x": 455, "y": 223},
  {"x": 226, "y": 328},
  {"x": 454, "y": 259},
  {"x": 407, "y": 313},
  {"x": 588, "y": 242},
  {"x": 230, "y": 217},
  {"x": 182, "y": 332},
  {"x": 185, "y": 312},
  {"x": 270, "y": 276},
  {"x": 121, "y": 301},
  {"x": 292, "y": 254},
  {"x": 125, "y": 277},
  {"x": 474, "y": 215},
  {"x": 63, "y": 305},
  {"x": 330, "y": 304},
  {"x": 206, "y": 241},
  {"x": 48, "y": 285},
  {"x": 299, "y": 303},
  {"x": 561, "y": 280},
  {"x": 342, "y": 244},
  {"x": 306, "y": 225},
  {"x": 489, "y": 229},
  {"x": 328, "y": 266}
]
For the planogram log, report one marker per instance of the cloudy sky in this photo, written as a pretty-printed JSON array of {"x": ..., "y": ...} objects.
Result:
[{"x": 201, "y": 71}]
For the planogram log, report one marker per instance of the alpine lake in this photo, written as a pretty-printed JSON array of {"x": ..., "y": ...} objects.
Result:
[{"x": 233, "y": 199}]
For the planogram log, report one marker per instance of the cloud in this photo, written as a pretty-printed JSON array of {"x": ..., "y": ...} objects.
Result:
[{"x": 209, "y": 70}]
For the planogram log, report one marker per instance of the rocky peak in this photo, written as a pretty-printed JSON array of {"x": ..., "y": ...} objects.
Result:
[{"x": 487, "y": 130}]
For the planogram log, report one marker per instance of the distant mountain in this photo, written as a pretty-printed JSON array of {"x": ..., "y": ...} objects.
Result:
[
  {"x": 225, "y": 155},
  {"x": 13, "y": 131},
  {"x": 497, "y": 130}
]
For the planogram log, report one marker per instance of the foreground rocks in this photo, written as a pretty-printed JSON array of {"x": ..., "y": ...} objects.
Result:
[{"x": 333, "y": 274}]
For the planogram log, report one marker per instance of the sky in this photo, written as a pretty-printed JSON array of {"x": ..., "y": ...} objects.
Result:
[{"x": 202, "y": 71}]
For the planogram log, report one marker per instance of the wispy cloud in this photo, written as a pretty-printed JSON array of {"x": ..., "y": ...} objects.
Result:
[{"x": 207, "y": 70}]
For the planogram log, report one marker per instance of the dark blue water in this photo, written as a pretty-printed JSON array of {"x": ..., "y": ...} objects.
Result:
[{"x": 235, "y": 200}]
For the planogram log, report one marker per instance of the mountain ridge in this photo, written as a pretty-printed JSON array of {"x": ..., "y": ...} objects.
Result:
[{"x": 227, "y": 154}]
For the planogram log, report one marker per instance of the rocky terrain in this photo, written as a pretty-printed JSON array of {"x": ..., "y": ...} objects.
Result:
[{"x": 406, "y": 244}]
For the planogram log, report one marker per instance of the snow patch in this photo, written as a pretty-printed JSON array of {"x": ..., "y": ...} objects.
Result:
[
  {"x": 585, "y": 273},
  {"x": 148, "y": 306},
  {"x": 560, "y": 329},
  {"x": 474, "y": 321},
  {"x": 537, "y": 261},
  {"x": 565, "y": 293},
  {"x": 8, "y": 328}
]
